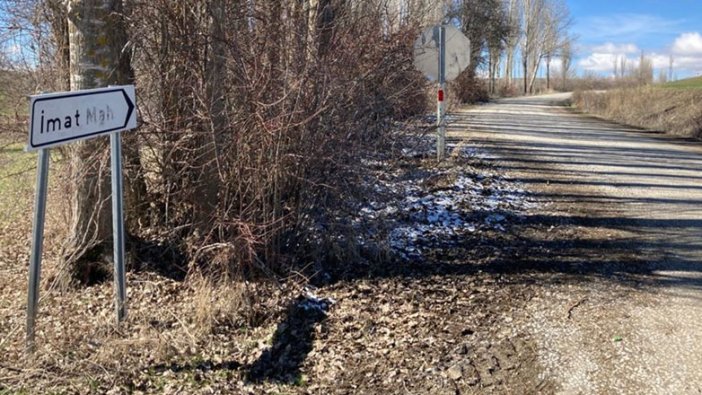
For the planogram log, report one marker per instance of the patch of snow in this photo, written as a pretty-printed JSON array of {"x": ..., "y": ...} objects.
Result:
[
  {"x": 311, "y": 302},
  {"x": 422, "y": 219},
  {"x": 414, "y": 209}
]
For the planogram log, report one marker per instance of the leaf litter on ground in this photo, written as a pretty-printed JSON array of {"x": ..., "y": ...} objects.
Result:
[{"x": 367, "y": 334}]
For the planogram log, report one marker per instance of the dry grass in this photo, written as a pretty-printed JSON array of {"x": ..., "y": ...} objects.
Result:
[
  {"x": 172, "y": 327},
  {"x": 80, "y": 349},
  {"x": 675, "y": 111}
]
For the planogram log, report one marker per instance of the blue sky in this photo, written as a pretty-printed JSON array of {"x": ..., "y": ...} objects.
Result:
[{"x": 611, "y": 29}]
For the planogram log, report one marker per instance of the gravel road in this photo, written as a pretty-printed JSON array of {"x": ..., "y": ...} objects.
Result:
[{"x": 615, "y": 246}]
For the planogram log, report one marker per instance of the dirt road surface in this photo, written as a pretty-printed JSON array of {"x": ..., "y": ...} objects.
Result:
[{"x": 615, "y": 246}]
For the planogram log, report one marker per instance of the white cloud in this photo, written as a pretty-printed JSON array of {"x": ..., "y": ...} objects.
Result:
[
  {"x": 599, "y": 62},
  {"x": 616, "y": 49},
  {"x": 605, "y": 56},
  {"x": 556, "y": 65},
  {"x": 688, "y": 44},
  {"x": 605, "y": 63},
  {"x": 686, "y": 51},
  {"x": 660, "y": 61},
  {"x": 688, "y": 63}
]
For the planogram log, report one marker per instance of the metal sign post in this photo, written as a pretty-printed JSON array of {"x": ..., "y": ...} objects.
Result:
[
  {"x": 61, "y": 118},
  {"x": 118, "y": 227},
  {"x": 37, "y": 241},
  {"x": 441, "y": 53},
  {"x": 441, "y": 110}
]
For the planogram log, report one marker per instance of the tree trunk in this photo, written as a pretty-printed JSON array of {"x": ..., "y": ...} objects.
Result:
[
  {"x": 496, "y": 70},
  {"x": 512, "y": 40},
  {"x": 534, "y": 74},
  {"x": 312, "y": 43},
  {"x": 548, "y": 73},
  {"x": 526, "y": 73},
  {"x": 135, "y": 199},
  {"x": 509, "y": 64},
  {"x": 97, "y": 38},
  {"x": 211, "y": 144}
]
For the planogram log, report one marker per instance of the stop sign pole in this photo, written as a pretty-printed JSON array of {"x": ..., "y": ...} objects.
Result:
[
  {"x": 441, "y": 52},
  {"x": 441, "y": 107}
]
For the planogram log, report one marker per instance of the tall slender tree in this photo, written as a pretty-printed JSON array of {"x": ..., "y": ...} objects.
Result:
[
  {"x": 556, "y": 22},
  {"x": 566, "y": 62},
  {"x": 512, "y": 39},
  {"x": 97, "y": 38},
  {"x": 532, "y": 14}
]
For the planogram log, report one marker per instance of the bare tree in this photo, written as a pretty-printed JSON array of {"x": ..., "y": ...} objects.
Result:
[
  {"x": 645, "y": 70},
  {"x": 485, "y": 24},
  {"x": 474, "y": 16},
  {"x": 512, "y": 40},
  {"x": 545, "y": 27},
  {"x": 557, "y": 22},
  {"x": 495, "y": 49},
  {"x": 532, "y": 12},
  {"x": 566, "y": 62},
  {"x": 498, "y": 30},
  {"x": 662, "y": 76}
]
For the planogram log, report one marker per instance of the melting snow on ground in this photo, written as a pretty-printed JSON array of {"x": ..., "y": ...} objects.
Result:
[{"x": 442, "y": 205}]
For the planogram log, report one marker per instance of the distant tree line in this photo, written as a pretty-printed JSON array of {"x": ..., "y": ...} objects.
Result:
[
  {"x": 516, "y": 37},
  {"x": 629, "y": 73}
]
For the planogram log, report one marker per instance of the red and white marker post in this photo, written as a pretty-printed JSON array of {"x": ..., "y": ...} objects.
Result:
[{"x": 441, "y": 107}]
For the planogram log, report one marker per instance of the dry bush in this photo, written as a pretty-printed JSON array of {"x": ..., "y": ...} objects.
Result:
[
  {"x": 253, "y": 116},
  {"x": 468, "y": 88},
  {"x": 670, "y": 110},
  {"x": 219, "y": 304},
  {"x": 24, "y": 36},
  {"x": 508, "y": 90},
  {"x": 254, "y": 119}
]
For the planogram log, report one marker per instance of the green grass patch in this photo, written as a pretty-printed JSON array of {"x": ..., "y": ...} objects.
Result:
[
  {"x": 16, "y": 166},
  {"x": 689, "y": 83},
  {"x": 17, "y": 174},
  {"x": 4, "y": 107},
  {"x": 13, "y": 392}
]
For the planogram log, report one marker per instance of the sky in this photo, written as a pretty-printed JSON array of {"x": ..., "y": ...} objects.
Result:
[{"x": 611, "y": 29}]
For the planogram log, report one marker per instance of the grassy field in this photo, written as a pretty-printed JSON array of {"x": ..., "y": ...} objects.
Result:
[{"x": 689, "y": 83}]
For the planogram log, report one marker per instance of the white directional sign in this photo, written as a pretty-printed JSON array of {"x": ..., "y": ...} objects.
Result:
[{"x": 59, "y": 118}]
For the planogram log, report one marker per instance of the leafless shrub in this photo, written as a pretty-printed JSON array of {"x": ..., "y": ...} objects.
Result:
[
  {"x": 253, "y": 118},
  {"x": 470, "y": 89}
]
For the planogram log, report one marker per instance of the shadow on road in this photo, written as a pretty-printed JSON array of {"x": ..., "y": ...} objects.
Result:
[{"x": 621, "y": 203}]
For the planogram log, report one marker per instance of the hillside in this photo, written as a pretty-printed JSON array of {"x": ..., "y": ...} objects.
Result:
[{"x": 688, "y": 83}]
